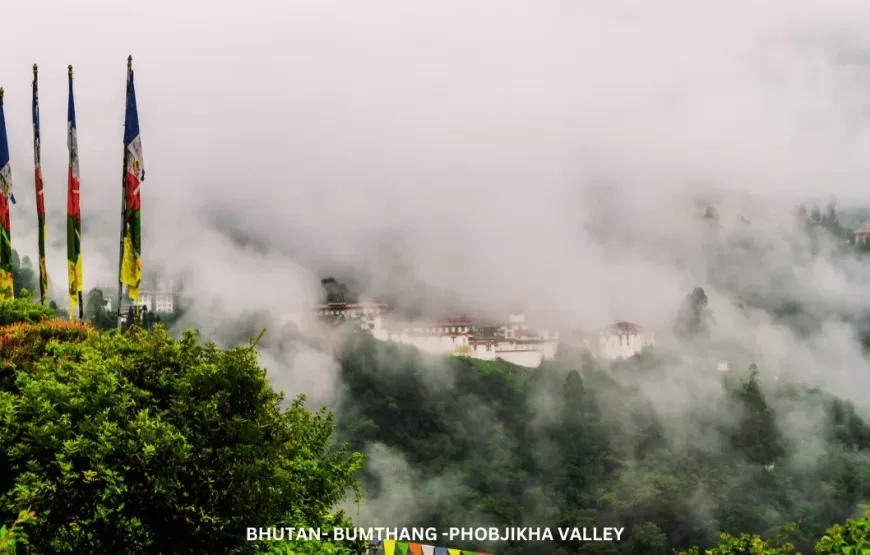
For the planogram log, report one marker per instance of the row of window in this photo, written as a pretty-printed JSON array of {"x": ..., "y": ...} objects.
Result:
[
  {"x": 349, "y": 313},
  {"x": 459, "y": 329}
]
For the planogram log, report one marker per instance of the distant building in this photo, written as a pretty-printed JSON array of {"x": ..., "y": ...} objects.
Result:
[
  {"x": 159, "y": 302},
  {"x": 513, "y": 342},
  {"x": 367, "y": 313},
  {"x": 621, "y": 340},
  {"x": 862, "y": 233},
  {"x": 156, "y": 294}
]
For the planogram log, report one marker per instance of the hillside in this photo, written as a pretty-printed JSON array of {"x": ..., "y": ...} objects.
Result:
[
  {"x": 140, "y": 443},
  {"x": 478, "y": 445}
]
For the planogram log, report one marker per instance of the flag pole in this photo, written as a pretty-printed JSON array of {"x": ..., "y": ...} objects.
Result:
[
  {"x": 38, "y": 177},
  {"x": 123, "y": 195},
  {"x": 78, "y": 284},
  {"x": 5, "y": 233}
]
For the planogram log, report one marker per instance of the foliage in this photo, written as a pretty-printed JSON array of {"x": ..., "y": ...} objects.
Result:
[
  {"x": 95, "y": 311},
  {"x": 693, "y": 318},
  {"x": 325, "y": 547},
  {"x": 573, "y": 443},
  {"x": 852, "y": 538},
  {"x": 745, "y": 544},
  {"x": 14, "y": 536},
  {"x": 338, "y": 292},
  {"x": 22, "y": 309},
  {"x": 135, "y": 443},
  {"x": 24, "y": 277}
]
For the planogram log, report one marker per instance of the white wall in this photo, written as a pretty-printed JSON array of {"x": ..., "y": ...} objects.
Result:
[
  {"x": 481, "y": 352},
  {"x": 431, "y": 343},
  {"x": 523, "y": 355},
  {"x": 529, "y": 359},
  {"x": 613, "y": 346}
]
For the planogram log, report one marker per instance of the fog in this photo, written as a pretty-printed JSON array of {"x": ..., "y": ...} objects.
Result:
[{"x": 554, "y": 154}]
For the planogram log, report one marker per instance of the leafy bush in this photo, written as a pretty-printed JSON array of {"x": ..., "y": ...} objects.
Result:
[
  {"x": 22, "y": 310},
  {"x": 139, "y": 443},
  {"x": 13, "y": 535},
  {"x": 852, "y": 538}
]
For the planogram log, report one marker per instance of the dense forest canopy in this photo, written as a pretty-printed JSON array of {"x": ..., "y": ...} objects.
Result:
[
  {"x": 567, "y": 445},
  {"x": 676, "y": 453}
]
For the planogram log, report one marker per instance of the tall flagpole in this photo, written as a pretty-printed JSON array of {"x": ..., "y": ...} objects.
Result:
[
  {"x": 123, "y": 195},
  {"x": 40, "y": 205},
  {"x": 72, "y": 140},
  {"x": 6, "y": 279}
]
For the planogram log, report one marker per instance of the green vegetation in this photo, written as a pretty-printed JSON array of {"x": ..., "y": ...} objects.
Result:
[
  {"x": 139, "y": 443},
  {"x": 569, "y": 444}
]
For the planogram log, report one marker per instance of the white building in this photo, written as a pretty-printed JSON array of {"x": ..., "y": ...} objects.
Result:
[
  {"x": 156, "y": 295},
  {"x": 368, "y": 314},
  {"x": 448, "y": 337},
  {"x": 621, "y": 340},
  {"x": 159, "y": 302},
  {"x": 513, "y": 342}
]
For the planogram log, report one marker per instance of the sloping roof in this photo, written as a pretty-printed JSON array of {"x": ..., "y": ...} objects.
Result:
[{"x": 625, "y": 327}]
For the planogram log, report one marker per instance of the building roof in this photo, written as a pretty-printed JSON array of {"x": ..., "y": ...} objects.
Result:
[
  {"x": 502, "y": 339},
  {"x": 348, "y": 306},
  {"x": 625, "y": 327}
]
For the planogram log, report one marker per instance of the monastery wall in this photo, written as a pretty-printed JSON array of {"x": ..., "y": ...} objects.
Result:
[
  {"x": 527, "y": 358},
  {"x": 512, "y": 342},
  {"x": 621, "y": 341}
]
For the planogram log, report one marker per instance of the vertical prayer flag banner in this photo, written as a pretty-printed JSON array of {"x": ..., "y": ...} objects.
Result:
[
  {"x": 40, "y": 204},
  {"x": 73, "y": 210},
  {"x": 7, "y": 289},
  {"x": 131, "y": 257}
]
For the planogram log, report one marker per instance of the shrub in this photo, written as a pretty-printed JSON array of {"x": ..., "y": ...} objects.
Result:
[{"x": 139, "y": 443}]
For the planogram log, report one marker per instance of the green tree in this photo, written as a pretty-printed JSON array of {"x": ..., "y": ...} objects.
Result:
[
  {"x": 694, "y": 316},
  {"x": 138, "y": 443},
  {"x": 14, "y": 536},
  {"x": 23, "y": 274},
  {"x": 647, "y": 539},
  {"x": 758, "y": 436},
  {"x": 338, "y": 292},
  {"x": 95, "y": 311},
  {"x": 851, "y": 538}
]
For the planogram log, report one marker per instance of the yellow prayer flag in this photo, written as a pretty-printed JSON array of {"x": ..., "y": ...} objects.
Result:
[{"x": 6, "y": 286}]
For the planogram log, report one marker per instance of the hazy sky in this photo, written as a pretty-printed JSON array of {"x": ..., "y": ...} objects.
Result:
[
  {"x": 547, "y": 153},
  {"x": 480, "y": 139}
]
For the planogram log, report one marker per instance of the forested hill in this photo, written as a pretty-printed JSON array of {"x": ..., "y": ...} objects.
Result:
[{"x": 570, "y": 445}]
